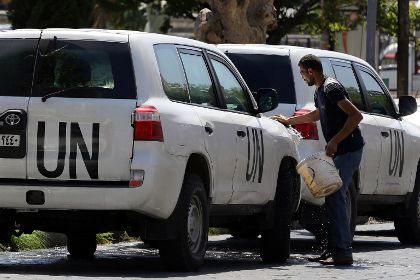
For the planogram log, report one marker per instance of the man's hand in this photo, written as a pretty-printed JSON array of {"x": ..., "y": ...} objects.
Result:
[
  {"x": 331, "y": 148},
  {"x": 281, "y": 119}
]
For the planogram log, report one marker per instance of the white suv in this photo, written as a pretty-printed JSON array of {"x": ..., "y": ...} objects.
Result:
[
  {"x": 388, "y": 182},
  {"x": 152, "y": 134}
]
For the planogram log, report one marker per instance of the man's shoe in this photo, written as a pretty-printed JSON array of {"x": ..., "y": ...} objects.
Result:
[
  {"x": 324, "y": 255},
  {"x": 344, "y": 260}
]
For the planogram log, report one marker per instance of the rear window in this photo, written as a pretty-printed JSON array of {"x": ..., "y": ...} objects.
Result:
[
  {"x": 267, "y": 71},
  {"x": 84, "y": 69},
  {"x": 17, "y": 58}
]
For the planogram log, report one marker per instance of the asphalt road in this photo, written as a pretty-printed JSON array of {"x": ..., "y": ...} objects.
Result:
[{"x": 378, "y": 255}]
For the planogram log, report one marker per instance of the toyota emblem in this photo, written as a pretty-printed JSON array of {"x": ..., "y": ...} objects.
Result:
[{"x": 12, "y": 119}]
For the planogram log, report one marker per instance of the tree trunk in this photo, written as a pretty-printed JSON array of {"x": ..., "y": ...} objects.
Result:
[
  {"x": 235, "y": 21},
  {"x": 403, "y": 45}
]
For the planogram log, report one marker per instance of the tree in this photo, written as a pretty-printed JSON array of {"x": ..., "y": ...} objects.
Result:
[
  {"x": 229, "y": 21},
  {"x": 333, "y": 16},
  {"x": 247, "y": 21},
  {"x": 126, "y": 14},
  {"x": 235, "y": 21},
  {"x": 291, "y": 14},
  {"x": 50, "y": 13},
  {"x": 123, "y": 14},
  {"x": 387, "y": 20}
]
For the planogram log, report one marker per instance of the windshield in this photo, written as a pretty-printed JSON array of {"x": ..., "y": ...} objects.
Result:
[
  {"x": 90, "y": 69},
  {"x": 267, "y": 71}
]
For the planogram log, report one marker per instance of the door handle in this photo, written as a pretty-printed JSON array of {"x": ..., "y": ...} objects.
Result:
[
  {"x": 208, "y": 129},
  {"x": 241, "y": 133},
  {"x": 385, "y": 134}
]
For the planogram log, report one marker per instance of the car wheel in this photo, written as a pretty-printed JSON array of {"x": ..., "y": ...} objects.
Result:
[
  {"x": 275, "y": 241},
  {"x": 186, "y": 252},
  {"x": 81, "y": 245},
  {"x": 408, "y": 227},
  {"x": 250, "y": 233}
]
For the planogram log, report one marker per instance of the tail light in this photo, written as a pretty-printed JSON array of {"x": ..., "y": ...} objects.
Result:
[
  {"x": 307, "y": 130},
  {"x": 147, "y": 126}
]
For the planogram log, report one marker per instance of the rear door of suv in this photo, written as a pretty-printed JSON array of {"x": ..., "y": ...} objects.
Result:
[
  {"x": 393, "y": 174},
  {"x": 218, "y": 131},
  {"x": 254, "y": 167},
  {"x": 80, "y": 110},
  {"x": 369, "y": 126},
  {"x": 17, "y": 58}
]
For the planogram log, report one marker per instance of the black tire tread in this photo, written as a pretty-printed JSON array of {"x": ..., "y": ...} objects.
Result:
[
  {"x": 275, "y": 242},
  {"x": 81, "y": 246},
  {"x": 407, "y": 227},
  {"x": 175, "y": 254}
]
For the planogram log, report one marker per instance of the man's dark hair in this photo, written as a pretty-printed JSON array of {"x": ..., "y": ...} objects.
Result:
[{"x": 311, "y": 61}]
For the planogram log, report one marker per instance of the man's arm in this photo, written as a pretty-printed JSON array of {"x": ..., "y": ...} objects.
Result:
[
  {"x": 312, "y": 116},
  {"x": 353, "y": 120}
]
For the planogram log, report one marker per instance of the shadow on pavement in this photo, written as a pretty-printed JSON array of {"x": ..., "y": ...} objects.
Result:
[{"x": 224, "y": 254}]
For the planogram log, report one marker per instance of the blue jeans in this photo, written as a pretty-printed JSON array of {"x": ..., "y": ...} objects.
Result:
[{"x": 339, "y": 232}]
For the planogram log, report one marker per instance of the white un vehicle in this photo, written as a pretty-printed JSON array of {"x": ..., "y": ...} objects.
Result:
[
  {"x": 388, "y": 182},
  {"x": 155, "y": 135}
]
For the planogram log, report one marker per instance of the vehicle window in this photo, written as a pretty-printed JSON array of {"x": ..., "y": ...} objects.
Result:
[
  {"x": 17, "y": 59},
  {"x": 346, "y": 77},
  {"x": 326, "y": 67},
  {"x": 171, "y": 73},
  {"x": 199, "y": 81},
  {"x": 235, "y": 97},
  {"x": 377, "y": 98},
  {"x": 87, "y": 69},
  {"x": 267, "y": 71}
]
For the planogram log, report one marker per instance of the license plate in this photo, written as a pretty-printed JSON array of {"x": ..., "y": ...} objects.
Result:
[{"x": 9, "y": 140}]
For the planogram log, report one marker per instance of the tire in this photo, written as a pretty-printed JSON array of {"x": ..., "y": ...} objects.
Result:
[
  {"x": 186, "y": 252},
  {"x": 275, "y": 241},
  {"x": 251, "y": 233},
  {"x": 81, "y": 246},
  {"x": 407, "y": 228}
]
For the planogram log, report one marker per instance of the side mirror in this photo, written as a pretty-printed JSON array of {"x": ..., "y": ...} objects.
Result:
[
  {"x": 407, "y": 105},
  {"x": 267, "y": 99}
]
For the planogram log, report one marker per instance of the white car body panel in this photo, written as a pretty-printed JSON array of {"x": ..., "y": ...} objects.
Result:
[
  {"x": 369, "y": 167},
  {"x": 377, "y": 161},
  {"x": 164, "y": 163},
  {"x": 113, "y": 118},
  {"x": 395, "y": 172},
  {"x": 220, "y": 146}
]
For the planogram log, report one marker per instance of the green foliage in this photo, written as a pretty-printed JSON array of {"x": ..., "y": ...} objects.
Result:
[
  {"x": 118, "y": 6},
  {"x": 104, "y": 238},
  {"x": 43, "y": 240},
  {"x": 133, "y": 19},
  {"x": 122, "y": 236},
  {"x": 36, "y": 240},
  {"x": 387, "y": 19},
  {"x": 113, "y": 237},
  {"x": 50, "y": 13},
  {"x": 305, "y": 16},
  {"x": 125, "y": 14},
  {"x": 332, "y": 17},
  {"x": 218, "y": 231},
  {"x": 183, "y": 8}
]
